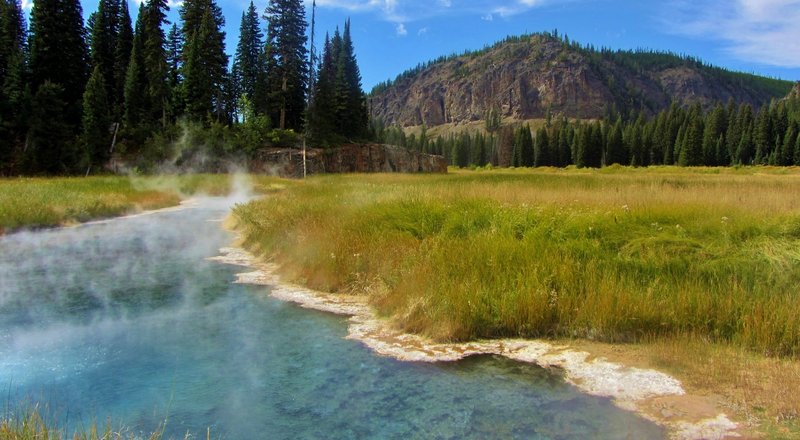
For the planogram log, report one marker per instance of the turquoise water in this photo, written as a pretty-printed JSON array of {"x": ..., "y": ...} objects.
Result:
[{"x": 125, "y": 319}]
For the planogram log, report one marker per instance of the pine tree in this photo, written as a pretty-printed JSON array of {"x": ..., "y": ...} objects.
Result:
[
  {"x": 58, "y": 55},
  {"x": 615, "y": 149},
  {"x": 155, "y": 60},
  {"x": 175, "y": 79},
  {"x": 205, "y": 62},
  {"x": 527, "y": 148},
  {"x": 714, "y": 128},
  {"x": 104, "y": 33},
  {"x": 287, "y": 68},
  {"x": 692, "y": 150},
  {"x": 762, "y": 136},
  {"x": 136, "y": 95},
  {"x": 12, "y": 81},
  {"x": 352, "y": 119},
  {"x": 322, "y": 109},
  {"x": 122, "y": 56},
  {"x": 248, "y": 64},
  {"x": 51, "y": 136},
  {"x": 96, "y": 119}
]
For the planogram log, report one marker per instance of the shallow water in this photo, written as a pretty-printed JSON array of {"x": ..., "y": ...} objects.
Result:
[{"x": 125, "y": 319}]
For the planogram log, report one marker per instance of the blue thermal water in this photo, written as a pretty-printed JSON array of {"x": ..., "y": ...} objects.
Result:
[{"x": 126, "y": 320}]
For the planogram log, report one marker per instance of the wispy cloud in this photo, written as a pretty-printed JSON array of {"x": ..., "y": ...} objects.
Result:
[
  {"x": 27, "y": 5},
  {"x": 760, "y": 31},
  {"x": 406, "y": 11},
  {"x": 401, "y": 30}
]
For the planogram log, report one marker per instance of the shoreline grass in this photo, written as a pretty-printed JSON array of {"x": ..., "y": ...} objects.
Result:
[
  {"x": 48, "y": 202},
  {"x": 620, "y": 255}
]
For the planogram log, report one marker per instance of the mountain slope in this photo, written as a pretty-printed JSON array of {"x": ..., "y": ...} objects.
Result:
[{"x": 527, "y": 77}]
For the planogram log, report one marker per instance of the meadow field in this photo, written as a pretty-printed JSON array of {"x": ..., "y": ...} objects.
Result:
[
  {"x": 692, "y": 271},
  {"x": 612, "y": 255},
  {"x": 57, "y": 201}
]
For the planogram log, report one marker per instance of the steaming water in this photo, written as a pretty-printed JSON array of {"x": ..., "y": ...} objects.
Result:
[{"x": 125, "y": 319}]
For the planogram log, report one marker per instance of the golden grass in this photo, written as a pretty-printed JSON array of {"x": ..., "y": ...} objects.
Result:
[
  {"x": 699, "y": 267},
  {"x": 46, "y": 202}
]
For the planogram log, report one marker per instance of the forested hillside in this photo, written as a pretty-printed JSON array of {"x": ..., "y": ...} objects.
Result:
[
  {"x": 529, "y": 76},
  {"x": 729, "y": 134}
]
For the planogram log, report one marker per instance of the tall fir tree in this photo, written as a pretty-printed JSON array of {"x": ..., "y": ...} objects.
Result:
[
  {"x": 351, "y": 120},
  {"x": 59, "y": 58},
  {"x": 615, "y": 149},
  {"x": 13, "y": 36},
  {"x": 762, "y": 135},
  {"x": 51, "y": 137},
  {"x": 155, "y": 60},
  {"x": 104, "y": 32},
  {"x": 287, "y": 66},
  {"x": 691, "y": 153},
  {"x": 205, "y": 61},
  {"x": 96, "y": 120},
  {"x": 122, "y": 56},
  {"x": 136, "y": 95},
  {"x": 322, "y": 109},
  {"x": 175, "y": 43},
  {"x": 249, "y": 69}
]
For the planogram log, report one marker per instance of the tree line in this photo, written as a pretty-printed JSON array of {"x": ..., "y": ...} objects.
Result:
[
  {"x": 724, "y": 135},
  {"x": 74, "y": 93}
]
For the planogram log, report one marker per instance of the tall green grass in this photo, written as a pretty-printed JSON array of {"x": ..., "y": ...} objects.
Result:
[
  {"x": 45, "y": 202},
  {"x": 613, "y": 255}
]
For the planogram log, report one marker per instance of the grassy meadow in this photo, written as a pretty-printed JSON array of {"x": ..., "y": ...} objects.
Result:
[
  {"x": 46, "y": 202},
  {"x": 617, "y": 255}
]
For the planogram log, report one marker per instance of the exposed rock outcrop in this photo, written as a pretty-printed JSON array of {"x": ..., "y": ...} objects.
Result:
[
  {"x": 527, "y": 77},
  {"x": 351, "y": 158}
]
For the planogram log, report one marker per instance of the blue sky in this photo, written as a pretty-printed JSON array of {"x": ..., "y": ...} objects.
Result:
[{"x": 390, "y": 36}]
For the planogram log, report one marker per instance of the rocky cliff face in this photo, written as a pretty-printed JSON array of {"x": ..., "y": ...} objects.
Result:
[
  {"x": 352, "y": 158},
  {"x": 528, "y": 77}
]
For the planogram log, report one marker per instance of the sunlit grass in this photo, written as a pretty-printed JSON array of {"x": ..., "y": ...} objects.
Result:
[
  {"x": 35, "y": 423},
  {"x": 45, "y": 202},
  {"x": 697, "y": 270},
  {"x": 614, "y": 255}
]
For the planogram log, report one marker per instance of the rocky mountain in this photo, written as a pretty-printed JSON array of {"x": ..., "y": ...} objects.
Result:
[{"x": 527, "y": 77}]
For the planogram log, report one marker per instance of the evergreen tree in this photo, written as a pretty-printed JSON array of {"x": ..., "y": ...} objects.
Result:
[
  {"x": 175, "y": 79},
  {"x": 287, "y": 68},
  {"x": 205, "y": 77},
  {"x": 615, "y": 149},
  {"x": 527, "y": 148},
  {"x": 58, "y": 56},
  {"x": 714, "y": 129},
  {"x": 96, "y": 120},
  {"x": 797, "y": 151},
  {"x": 323, "y": 107},
  {"x": 155, "y": 60},
  {"x": 12, "y": 81},
  {"x": 136, "y": 96},
  {"x": 540, "y": 146},
  {"x": 692, "y": 150},
  {"x": 104, "y": 32},
  {"x": 248, "y": 63},
  {"x": 352, "y": 118},
  {"x": 122, "y": 57},
  {"x": 762, "y": 136},
  {"x": 51, "y": 136}
]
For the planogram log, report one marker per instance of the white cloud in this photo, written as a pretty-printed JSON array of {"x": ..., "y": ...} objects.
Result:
[
  {"x": 422, "y": 31},
  {"x": 27, "y": 5},
  {"x": 401, "y": 30},
  {"x": 761, "y": 31},
  {"x": 404, "y": 11},
  {"x": 488, "y": 17}
]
